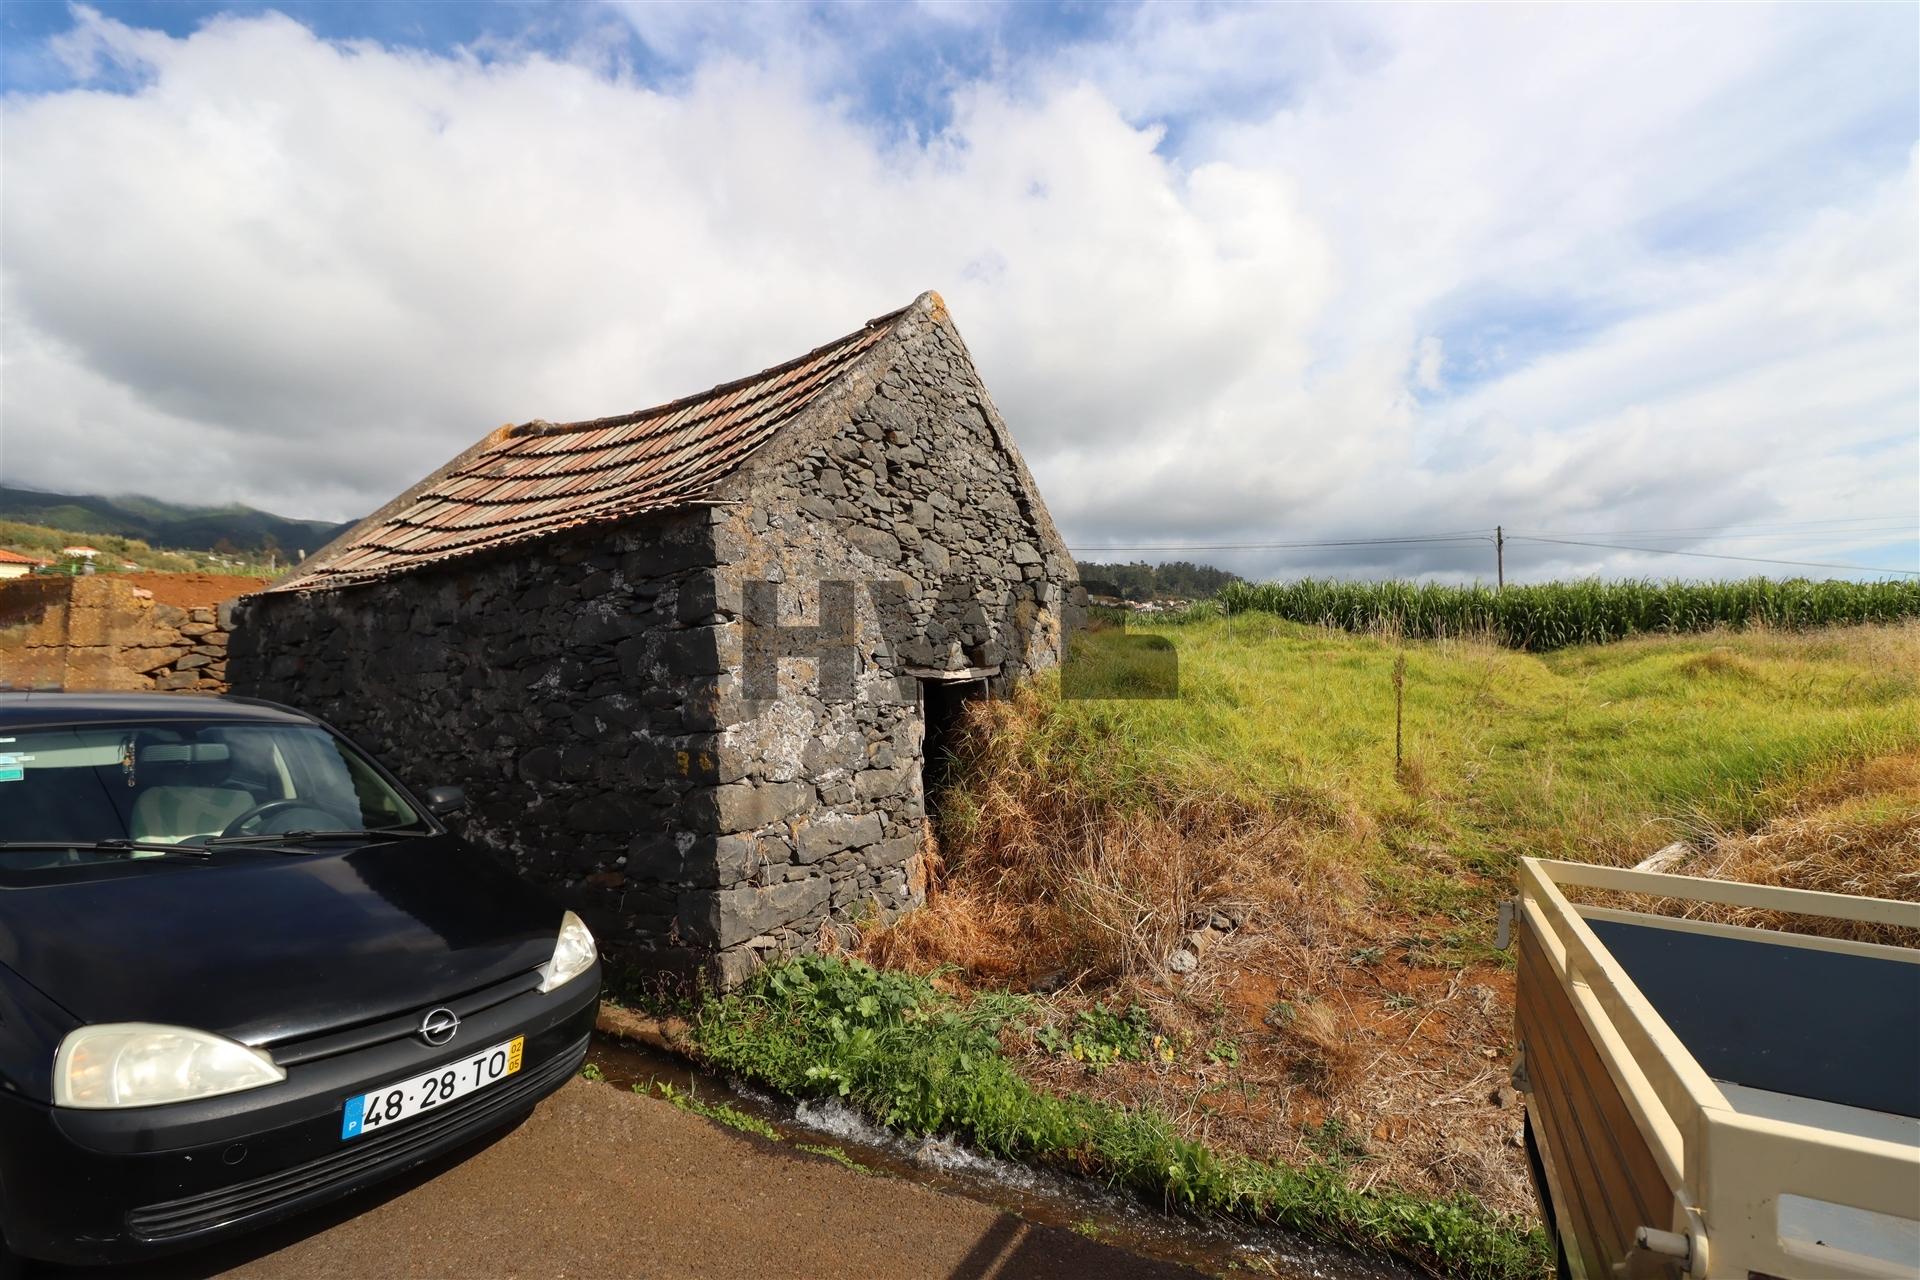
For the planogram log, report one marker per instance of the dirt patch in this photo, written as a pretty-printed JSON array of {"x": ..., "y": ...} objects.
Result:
[
  {"x": 1386, "y": 1063},
  {"x": 192, "y": 590}
]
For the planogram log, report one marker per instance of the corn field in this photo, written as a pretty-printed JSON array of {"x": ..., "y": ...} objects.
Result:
[{"x": 1554, "y": 614}]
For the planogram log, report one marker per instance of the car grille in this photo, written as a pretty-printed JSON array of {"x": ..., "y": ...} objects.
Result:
[
  {"x": 354, "y": 1163},
  {"x": 399, "y": 1026}
]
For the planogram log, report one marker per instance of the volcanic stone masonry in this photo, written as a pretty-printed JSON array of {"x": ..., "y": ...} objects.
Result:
[{"x": 704, "y": 727}]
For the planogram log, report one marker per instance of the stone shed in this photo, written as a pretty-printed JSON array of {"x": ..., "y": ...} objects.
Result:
[{"x": 692, "y": 663}]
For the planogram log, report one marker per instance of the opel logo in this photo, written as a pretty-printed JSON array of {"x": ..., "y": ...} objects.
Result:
[{"x": 439, "y": 1025}]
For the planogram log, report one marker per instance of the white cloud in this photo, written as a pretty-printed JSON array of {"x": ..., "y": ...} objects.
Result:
[{"x": 301, "y": 274}]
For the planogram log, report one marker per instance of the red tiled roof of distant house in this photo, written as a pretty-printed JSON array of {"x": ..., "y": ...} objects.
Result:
[{"x": 14, "y": 557}]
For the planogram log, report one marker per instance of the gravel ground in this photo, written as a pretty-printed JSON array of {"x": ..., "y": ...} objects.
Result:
[{"x": 599, "y": 1182}]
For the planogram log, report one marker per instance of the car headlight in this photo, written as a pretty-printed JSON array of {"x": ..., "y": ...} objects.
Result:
[
  {"x": 140, "y": 1064},
  {"x": 573, "y": 954}
]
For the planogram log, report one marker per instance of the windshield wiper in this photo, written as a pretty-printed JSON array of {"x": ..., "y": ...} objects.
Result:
[
  {"x": 303, "y": 836},
  {"x": 112, "y": 846}
]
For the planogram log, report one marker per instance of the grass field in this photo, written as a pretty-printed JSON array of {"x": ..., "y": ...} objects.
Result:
[
  {"x": 1335, "y": 907},
  {"x": 1598, "y": 753}
]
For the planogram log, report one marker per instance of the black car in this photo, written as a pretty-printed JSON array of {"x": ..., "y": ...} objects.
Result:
[{"x": 243, "y": 970}]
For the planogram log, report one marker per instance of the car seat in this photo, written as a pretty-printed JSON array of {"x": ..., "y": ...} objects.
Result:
[{"x": 177, "y": 800}]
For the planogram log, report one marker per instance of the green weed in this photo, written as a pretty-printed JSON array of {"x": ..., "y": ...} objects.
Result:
[
  {"x": 839, "y": 1157},
  {"x": 923, "y": 1063},
  {"x": 1102, "y": 1036},
  {"x": 719, "y": 1112},
  {"x": 1334, "y": 1143}
]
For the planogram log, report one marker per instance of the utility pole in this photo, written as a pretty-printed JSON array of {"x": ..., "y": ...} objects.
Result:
[{"x": 1500, "y": 557}]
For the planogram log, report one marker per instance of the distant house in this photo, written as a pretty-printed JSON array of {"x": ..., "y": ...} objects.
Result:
[
  {"x": 15, "y": 565},
  {"x": 79, "y": 553},
  {"x": 586, "y": 623}
]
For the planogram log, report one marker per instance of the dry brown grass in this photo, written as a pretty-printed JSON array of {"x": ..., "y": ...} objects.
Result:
[
  {"x": 1053, "y": 883},
  {"x": 1318, "y": 1051},
  {"x": 1856, "y": 833},
  {"x": 1071, "y": 887}
]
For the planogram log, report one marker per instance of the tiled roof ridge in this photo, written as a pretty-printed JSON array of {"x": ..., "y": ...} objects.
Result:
[
  {"x": 540, "y": 427},
  {"x": 539, "y": 478}
]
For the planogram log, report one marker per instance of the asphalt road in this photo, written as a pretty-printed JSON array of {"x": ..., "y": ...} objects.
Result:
[{"x": 604, "y": 1183}]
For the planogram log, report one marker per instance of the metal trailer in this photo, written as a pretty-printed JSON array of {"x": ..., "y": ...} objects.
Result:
[{"x": 1707, "y": 1100}]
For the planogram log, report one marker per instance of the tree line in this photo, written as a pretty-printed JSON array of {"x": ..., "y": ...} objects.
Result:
[{"x": 1175, "y": 580}]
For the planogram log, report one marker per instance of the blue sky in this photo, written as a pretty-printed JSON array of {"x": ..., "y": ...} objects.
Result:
[
  {"x": 907, "y": 62},
  {"x": 1235, "y": 274}
]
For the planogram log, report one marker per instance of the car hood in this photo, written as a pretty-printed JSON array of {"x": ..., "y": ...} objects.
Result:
[{"x": 262, "y": 946}]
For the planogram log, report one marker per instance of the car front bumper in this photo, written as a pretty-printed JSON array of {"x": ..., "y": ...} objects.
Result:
[{"x": 89, "y": 1187}]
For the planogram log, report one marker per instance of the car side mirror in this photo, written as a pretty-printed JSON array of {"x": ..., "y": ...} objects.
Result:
[{"x": 442, "y": 801}]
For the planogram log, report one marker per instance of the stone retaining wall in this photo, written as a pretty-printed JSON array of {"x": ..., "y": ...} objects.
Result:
[{"x": 103, "y": 633}]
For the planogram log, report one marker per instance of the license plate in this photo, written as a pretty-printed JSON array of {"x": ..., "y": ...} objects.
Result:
[{"x": 430, "y": 1089}]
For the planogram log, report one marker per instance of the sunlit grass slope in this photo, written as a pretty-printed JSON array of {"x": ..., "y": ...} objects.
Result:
[{"x": 1597, "y": 753}]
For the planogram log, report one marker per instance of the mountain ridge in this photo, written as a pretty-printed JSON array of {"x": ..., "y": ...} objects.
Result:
[{"x": 164, "y": 524}]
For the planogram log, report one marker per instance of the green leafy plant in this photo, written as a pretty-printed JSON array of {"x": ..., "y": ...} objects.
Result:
[
  {"x": 924, "y": 1063},
  {"x": 1051, "y": 1038},
  {"x": 1102, "y": 1036},
  {"x": 1332, "y": 1141},
  {"x": 838, "y": 1156},
  {"x": 1224, "y": 1053},
  {"x": 719, "y": 1112}
]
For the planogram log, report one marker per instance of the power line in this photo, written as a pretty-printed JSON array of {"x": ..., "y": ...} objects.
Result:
[
  {"x": 1709, "y": 555},
  {"x": 1849, "y": 535},
  {"x": 1472, "y": 536},
  {"x": 1423, "y": 539},
  {"x": 1714, "y": 528}
]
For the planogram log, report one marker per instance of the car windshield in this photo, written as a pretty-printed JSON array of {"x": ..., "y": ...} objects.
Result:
[{"x": 180, "y": 783}]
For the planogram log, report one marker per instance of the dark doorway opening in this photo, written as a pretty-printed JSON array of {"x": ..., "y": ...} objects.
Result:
[{"x": 942, "y": 706}]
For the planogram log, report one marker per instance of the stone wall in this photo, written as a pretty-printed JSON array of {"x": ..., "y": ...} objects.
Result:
[
  {"x": 567, "y": 685},
  {"x": 916, "y": 502},
  {"x": 105, "y": 633}
]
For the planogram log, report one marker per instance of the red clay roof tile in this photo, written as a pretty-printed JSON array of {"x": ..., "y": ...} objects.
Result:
[{"x": 540, "y": 478}]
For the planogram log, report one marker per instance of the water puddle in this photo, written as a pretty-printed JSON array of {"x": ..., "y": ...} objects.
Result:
[{"x": 1038, "y": 1196}]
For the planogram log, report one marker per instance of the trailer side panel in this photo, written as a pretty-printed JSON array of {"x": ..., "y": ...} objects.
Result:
[{"x": 1604, "y": 1177}]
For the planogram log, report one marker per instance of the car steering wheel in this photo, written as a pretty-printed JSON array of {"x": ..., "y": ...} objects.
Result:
[{"x": 271, "y": 807}]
